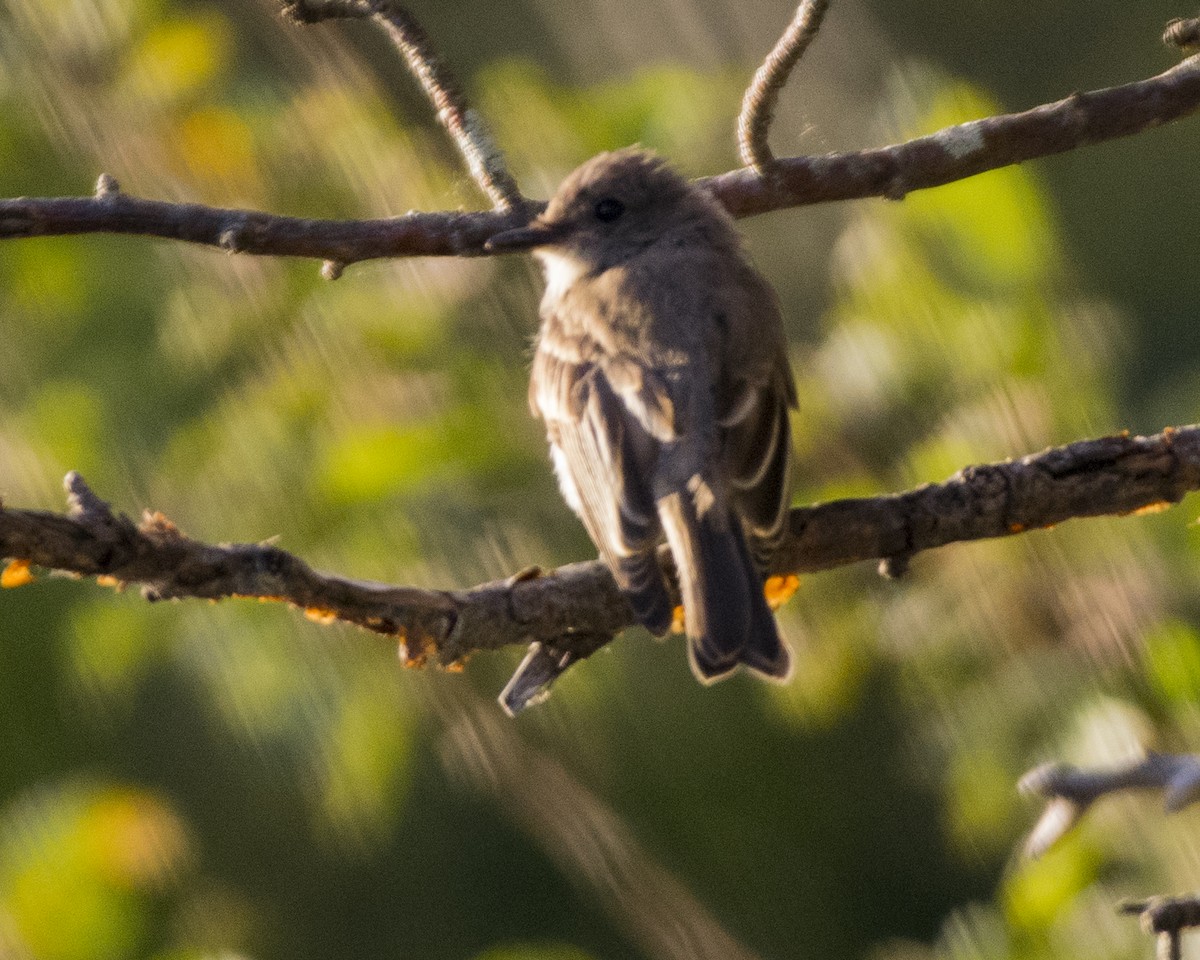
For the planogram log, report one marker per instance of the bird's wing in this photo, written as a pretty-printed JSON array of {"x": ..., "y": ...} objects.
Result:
[
  {"x": 603, "y": 453},
  {"x": 757, "y": 453},
  {"x": 752, "y": 410},
  {"x": 604, "y": 459}
]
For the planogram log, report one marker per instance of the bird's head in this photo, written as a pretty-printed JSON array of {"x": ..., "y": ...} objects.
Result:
[{"x": 613, "y": 207}]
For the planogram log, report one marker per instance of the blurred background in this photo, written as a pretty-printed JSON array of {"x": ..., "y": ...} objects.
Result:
[{"x": 189, "y": 780}]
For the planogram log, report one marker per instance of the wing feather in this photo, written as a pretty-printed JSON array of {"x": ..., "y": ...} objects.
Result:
[
  {"x": 757, "y": 455},
  {"x": 602, "y": 451}
]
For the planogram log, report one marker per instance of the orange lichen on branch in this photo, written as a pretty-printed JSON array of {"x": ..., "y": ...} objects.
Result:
[
  {"x": 320, "y": 615},
  {"x": 1016, "y": 528},
  {"x": 416, "y": 653},
  {"x": 779, "y": 590},
  {"x": 1159, "y": 506},
  {"x": 16, "y": 574},
  {"x": 108, "y": 580},
  {"x": 157, "y": 522}
]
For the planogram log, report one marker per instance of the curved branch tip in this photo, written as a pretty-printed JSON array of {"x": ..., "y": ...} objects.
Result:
[
  {"x": 758, "y": 103},
  {"x": 1183, "y": 35}
]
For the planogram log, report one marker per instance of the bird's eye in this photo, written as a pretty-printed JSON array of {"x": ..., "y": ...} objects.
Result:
[{"x": 608, "y": 209}]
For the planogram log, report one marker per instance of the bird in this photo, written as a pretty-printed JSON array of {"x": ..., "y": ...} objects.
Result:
[{"x": 660, "y": 371}]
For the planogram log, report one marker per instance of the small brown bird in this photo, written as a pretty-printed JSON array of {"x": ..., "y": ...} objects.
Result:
[{"x": 662, "y": 376}]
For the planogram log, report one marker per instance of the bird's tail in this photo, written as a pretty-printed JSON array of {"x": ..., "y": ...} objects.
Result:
[{"x": 727, "y": 618}]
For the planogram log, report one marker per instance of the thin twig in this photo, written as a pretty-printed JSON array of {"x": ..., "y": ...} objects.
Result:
[
  {"x": 1164, "y": 914},
  {"x": 953, "y": 153},
  {"x": 758, "y": 104},
  {"x": 1070, "y": 792},
  {"x": 576, "y": 609},
  {"x": 465, "y": 126}
]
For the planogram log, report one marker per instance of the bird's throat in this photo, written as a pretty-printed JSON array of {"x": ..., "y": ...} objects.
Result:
[{"x": 561, "y": 271}]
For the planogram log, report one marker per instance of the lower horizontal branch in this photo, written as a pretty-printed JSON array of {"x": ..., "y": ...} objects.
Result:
[
  {"x": 1089, "y": 478},
  {"x": 577, "y": 608}
]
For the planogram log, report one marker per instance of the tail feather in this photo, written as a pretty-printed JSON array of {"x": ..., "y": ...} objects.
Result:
[
  {"x": 727, "y": 618},
  {"x": 765, "y": 652},
  {"x": 641, "y": 581}
]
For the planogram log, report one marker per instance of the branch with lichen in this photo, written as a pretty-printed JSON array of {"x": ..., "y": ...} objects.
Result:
[
  {"x": 951, "y": 154},
  {"x": 569, "y": 613},
  {"x": 1070, "y": 791}
]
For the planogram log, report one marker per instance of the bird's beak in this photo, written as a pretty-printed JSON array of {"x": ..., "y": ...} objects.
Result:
[{"x": 539, "y": 233}]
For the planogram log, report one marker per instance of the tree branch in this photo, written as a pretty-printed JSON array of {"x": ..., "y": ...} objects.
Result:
[
  {"x": 574, "y": 610},
  {"x": 1071, "y": 791},
  {"x": 465, "y": 126},
  {"x": 953, "y": 153},
  {"x": 1183, "y": 35},
  {"x": 250, "y": 231},
  {"x": 1166, "y": 918},
  {"x": 961, "y": 151},
  {"x": 758, "y": 104}
]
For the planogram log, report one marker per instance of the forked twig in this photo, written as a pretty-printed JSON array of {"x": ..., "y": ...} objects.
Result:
[
  {"x": 758, "y": 104},
  {"x": 965, "y": 149},
  {"x": 1070, "y": 791}
]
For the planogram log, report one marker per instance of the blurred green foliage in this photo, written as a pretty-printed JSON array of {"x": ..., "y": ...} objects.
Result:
[{"x": 185, "y": 781}]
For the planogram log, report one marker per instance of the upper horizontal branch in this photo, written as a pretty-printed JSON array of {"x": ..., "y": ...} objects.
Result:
[
  {"x": 578, "y": 608},
  {"x": 964, "y": 150},
  {"x": 953, "y": 153}
]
